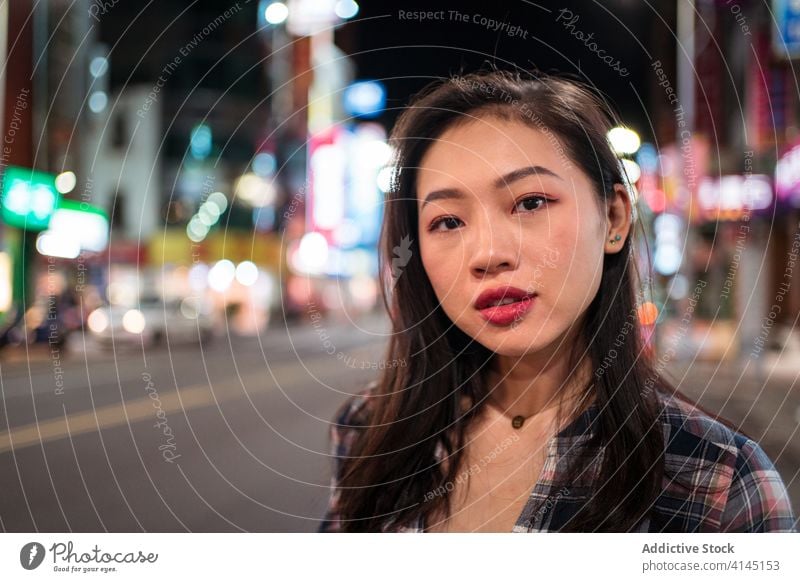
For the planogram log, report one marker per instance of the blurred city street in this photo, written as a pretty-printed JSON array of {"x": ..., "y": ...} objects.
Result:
[
  {"x": 248, "y": 416},
  {"x": 192, "y": 202}
]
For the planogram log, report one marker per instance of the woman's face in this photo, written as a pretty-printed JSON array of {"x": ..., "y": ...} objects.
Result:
[{"x": 505, "y": 215}]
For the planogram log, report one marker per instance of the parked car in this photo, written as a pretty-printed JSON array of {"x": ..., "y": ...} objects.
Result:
[{"x": 152, "y": 322}]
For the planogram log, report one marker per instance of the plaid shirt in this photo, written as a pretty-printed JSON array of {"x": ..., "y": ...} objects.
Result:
[{"x": 734, "y": 485}]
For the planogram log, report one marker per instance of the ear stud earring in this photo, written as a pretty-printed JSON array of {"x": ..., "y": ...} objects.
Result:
[{"x": 615, "y": 240}]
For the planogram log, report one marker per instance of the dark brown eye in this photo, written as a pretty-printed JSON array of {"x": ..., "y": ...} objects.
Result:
[
  {"x": 532, "y": 203},
  {"x": 450, "y": 223}
]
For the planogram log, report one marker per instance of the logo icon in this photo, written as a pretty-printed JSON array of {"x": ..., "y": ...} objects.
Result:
[
  {"x": 402, "y": 254},
  {"x": 31, "y": 555}
]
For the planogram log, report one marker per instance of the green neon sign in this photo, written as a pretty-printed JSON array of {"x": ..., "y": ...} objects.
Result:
[{"x": 29, "y": 198}]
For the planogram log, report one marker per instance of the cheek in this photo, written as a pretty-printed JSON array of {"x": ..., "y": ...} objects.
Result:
[
  {"x": 443, "y": 266},
  {"x": 583, "y": 270},
  {"x": 434, "y": 266},
  {"x": 569, "y": 269}
]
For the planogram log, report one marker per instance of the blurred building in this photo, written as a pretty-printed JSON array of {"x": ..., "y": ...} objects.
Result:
[
  {"x": 229, "y": 150},
  {"x": 17, "y": 146},
  {"x": 190, "y": 108},
  {"x": 724, "y": 232},
  {"x": 238, "y": 96},
  {"x": 45, "y": 91}
]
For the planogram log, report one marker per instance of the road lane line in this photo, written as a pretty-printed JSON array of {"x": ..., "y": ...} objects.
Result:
[
  {"x": 109, "y": 416},
  {"x": 129, "y": 412}
]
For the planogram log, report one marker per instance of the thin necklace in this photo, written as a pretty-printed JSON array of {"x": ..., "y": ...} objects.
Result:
[{"x": 518, "y": 420}]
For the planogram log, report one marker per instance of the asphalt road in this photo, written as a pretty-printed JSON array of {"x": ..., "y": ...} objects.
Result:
[{"x": 222, "y": 437}]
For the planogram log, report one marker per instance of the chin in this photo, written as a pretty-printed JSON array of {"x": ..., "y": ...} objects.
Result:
[
  {"x": 511, "y": 341},
  {"x": 512, "y": 349}
]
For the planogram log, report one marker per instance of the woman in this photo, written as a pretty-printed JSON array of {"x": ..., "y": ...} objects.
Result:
[{"x": 526, "y": 401}]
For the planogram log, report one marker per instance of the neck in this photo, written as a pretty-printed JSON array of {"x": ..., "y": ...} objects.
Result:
[{"x": 531, "y": 384}]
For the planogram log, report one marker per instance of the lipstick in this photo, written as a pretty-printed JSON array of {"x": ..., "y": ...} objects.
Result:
[{"x": 504, "y": 305}]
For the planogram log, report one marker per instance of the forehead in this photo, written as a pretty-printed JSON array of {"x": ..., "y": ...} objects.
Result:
[{"x": 489, "y": 146}]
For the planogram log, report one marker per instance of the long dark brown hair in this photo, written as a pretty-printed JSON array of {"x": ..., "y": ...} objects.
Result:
[{"x": 391, "y": 466}]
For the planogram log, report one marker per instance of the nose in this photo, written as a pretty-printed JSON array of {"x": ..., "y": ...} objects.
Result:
[{"x": 493, "y": 249}]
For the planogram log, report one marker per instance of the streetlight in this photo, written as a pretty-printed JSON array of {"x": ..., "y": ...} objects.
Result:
[
  {"x": 276, "y": 13},
  {"x": 624, "y": 141},
  {"x": 65, "y": 182}
]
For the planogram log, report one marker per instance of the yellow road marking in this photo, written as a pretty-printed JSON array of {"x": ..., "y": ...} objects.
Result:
[{"x": 114, "y": 415}]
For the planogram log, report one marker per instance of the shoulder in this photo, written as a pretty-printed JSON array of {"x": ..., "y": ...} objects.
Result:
[
  {"x": 732, "y": 484},
  {"x": 688, "y": 428}
]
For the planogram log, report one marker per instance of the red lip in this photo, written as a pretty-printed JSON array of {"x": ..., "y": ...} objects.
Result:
[
  {"x": 489, "y": 296},
  {"x": 504, "y": 314}
]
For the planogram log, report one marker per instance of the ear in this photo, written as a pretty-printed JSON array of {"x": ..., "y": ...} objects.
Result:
[{"x": 618, "y": 208}]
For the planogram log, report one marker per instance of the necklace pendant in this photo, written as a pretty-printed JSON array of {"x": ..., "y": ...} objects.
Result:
[{"x": 517, "y": 421}]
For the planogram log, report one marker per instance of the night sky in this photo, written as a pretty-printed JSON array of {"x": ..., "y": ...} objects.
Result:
[{"x": 405, "y": 53}]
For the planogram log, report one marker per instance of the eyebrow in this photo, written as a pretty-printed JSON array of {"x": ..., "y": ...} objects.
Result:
[{"x": 519, "y": 174}]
